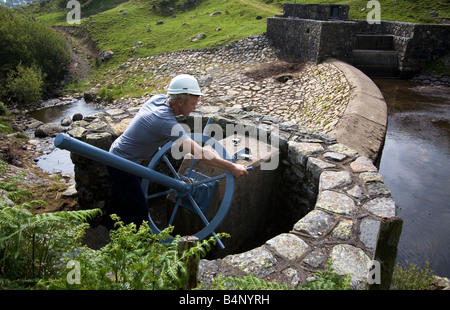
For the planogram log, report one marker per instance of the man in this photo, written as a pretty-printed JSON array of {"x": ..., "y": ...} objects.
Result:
[{"x": 153, "y": 126}]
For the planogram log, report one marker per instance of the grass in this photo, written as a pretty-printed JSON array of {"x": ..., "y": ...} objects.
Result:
[
  {"x": 120, "y": 32},
  {"x": 114, "y": 30},
  {"x": 414, "y": 11}
]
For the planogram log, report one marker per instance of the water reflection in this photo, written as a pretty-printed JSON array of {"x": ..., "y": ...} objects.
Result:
[
  {"x": 415, "y": 167},
  {"x": 59, "y": 160},
  {"x": 54, "y": 114}
]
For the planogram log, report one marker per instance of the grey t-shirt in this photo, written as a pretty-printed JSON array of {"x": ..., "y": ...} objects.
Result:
[{"x": 152, "y": 127}]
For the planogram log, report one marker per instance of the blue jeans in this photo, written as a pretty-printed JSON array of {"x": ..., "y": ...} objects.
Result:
[{"x": 127, "y": 199}]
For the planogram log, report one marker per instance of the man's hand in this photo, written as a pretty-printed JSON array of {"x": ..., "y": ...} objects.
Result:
[{"x": 239, "y": 170}]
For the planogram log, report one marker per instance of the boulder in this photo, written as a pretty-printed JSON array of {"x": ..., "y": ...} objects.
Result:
[
  {"x": 50, "y": 129},
  {"x": 200, "y": 36},
  {"x": 105, "y": 55}
]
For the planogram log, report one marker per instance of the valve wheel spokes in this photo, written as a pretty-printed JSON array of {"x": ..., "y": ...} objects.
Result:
[{"x": 190, "y": 176}]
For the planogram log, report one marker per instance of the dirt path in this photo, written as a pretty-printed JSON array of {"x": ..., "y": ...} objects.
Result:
[{"x": 84, "y": 51}]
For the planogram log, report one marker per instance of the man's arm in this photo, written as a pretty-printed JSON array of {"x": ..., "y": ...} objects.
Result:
[{"x": 212, "y": 159}]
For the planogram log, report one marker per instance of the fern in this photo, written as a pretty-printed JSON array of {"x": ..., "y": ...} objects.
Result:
[
  {"x": 134, "y": 259},
  {"x": 13, "y": 191},
  {"x": 30, "y": 245},
  {"x": 327, "y": 279}
]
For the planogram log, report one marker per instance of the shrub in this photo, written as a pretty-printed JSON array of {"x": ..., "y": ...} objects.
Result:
[
  {"x": 31, "y": 44},
  {"x": 25, "y": 85},
  {"x": 3, "y": 108},
  {"x": 412, "y": 277}
]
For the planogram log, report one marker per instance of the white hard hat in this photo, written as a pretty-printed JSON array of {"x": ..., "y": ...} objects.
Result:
[{"x": 184, "y": 84}]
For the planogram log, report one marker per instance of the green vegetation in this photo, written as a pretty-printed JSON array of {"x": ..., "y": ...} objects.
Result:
[
  {"x": 134, "y": 259},
  {"x": 31, "y": 55},
  {"x": 440, "y": 66},
  {"x": 414, "y": 11},
  {"x": 412, "y": 277},
  {"x": 25, "y": 85}
]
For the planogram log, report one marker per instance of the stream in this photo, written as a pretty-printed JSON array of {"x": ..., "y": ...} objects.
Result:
[
  {"x": 415, "y": 165},
  {"x": 59, "y": 160}
]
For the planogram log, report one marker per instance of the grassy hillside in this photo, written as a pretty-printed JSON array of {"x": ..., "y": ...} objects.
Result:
[
  {"x": 415, "y": 11},
  {"x": 119, "y": 32},
  {"x": 119, "y": 27}
]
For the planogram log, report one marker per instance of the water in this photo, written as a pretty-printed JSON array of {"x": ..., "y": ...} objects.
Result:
[
  {"x": 59, "y": 160},
  {"x": 56, "y": 113},
  {"x": 415, "y": 165}
]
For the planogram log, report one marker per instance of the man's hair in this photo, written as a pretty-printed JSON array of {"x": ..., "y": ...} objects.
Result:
[{"x": 173, "y": 97}]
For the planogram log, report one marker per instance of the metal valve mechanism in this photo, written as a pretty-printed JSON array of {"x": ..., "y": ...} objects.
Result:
[{"x": 191, "y": 190}]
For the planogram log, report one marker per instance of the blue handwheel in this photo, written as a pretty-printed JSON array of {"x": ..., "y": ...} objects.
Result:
[{"x": 202, "y": 188}]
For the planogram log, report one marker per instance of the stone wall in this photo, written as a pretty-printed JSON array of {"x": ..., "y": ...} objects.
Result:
[
  {"x": 348, "y": 210},
  {"x": 335, "y": 199},
  {"x": 312, "y": 40},
  {"x": 331, "y": 201}
]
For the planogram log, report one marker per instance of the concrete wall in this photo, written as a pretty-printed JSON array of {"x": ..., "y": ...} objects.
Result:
[
  {"x": 305, "y": 37},
  {"x": 312, "y": 40},
  {"x": 416, "y": 44}
]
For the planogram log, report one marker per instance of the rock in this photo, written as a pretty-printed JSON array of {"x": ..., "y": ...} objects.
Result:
[
  {"x": 105, "y": 55},
  {"x": 49, "y": 130},
  {"x": 434, "y": 14},
  {"x": 344, "y": 230},
  {"x": 89, "y": 97},
  {"x": 258, "y": 262},
  {"x": 215, "y": 13},
  {"x": 66, "y": 121},
  {"x": 334, "y": 179},
  {"x": 369, "y": 232},
  {"x": 347, "y": 259},
  {"x": 288, "y": 246},
  {"x": 34, "y": 124},
  {"x": 362, "y": 164},
  {"x": 315, "y": 224},
  {"x": 70, "y": 192},
  {"x": 381, "y": 206},
  {"x": 200, "y": 36},
  {"x": 336, "y": 202},
  {"x": 77, "y": 117}
]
